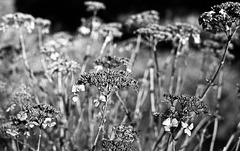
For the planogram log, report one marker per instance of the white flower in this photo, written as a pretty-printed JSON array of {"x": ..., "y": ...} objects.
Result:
[
  {"x": 96, "y": 102},
  {"x": 169, "y": 123},
  {"x": 48, "y": 122},
  {"x": 187, "y": 128},
  {"x": 75, "y": 98},
  {"x": 98, "y": 68},
  {"x": 77, "y": 88},
  {"x": 12, "y": 132},
  {"x": 102, "y": 98}
]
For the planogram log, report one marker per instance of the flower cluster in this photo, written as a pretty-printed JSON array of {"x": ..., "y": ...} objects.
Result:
[
  {"x": 182, "y": 108},
  {"x": 93, "y": 6},
  {"x": 156, "y": 32},
  {"x": 43, "y": 25},
  {"x": 111, "y": 29},
  {"x": 18, "y": 20},
  {"x": 52, "y": 47},
  {"x": 124, "y": 137},
  {"x": 142, "y": 19},
  {"x": 221, "y": 17},
  {"x": 32, "y": 115},
  {"x": 106, "y": 81},
  {"x": 184, "y": 31},
  {"x": 110, "y": 62},
  {"x": 62, "y": 65}
]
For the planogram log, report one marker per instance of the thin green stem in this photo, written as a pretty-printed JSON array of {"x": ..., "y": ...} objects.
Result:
[{"x": 127, "y": 112}]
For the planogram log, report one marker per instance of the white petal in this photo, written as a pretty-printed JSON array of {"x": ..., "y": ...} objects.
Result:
[
  {"x": 167, "y": 122},
  {"x": 187, "y": 131},
  {"x": 191, "y": 126},
  {"x": 167, "y": 128},
  {"x": 174, "y": 122},
  {"x": 184, "y": 125}
]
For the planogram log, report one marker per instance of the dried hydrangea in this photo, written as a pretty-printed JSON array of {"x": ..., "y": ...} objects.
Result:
[
  {"x": 93, "y": 6},
  {"x": 221, "y": 17},
  {"x": 123, "y": 139},
  {"x": 18, "y": 20},
  {"x": 111, "y": 62},
  {"x": 142, "y": 19},
  {"x": 43, "y": 25},
  {"x": 108, "y": 80}
]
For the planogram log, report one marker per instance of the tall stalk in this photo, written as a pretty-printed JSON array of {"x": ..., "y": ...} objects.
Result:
[
  {"x": 135, "y": 52},
  {"x": 101, "y": 125},
  {"x": 221, "y": 63}
]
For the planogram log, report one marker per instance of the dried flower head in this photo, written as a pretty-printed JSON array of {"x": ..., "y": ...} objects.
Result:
[
  {"x": 43, "y": 25},
  {"x": 156, "y": 33},
  {"x": 111, "y": 62},
  {"x": 221, "y": 17},
  {"x": 111, "y": 29},
  {"x": 123, "y": 139},
  {"x": 108, "y": 80},
  {"x": 142, "y": 19},
  {"x": 185, "y": 31},
  {"x": 93, "y": 6},
  {"x": 18, "y": 20},
  {"x": 64, "y": 66},
  {"x": 188, "y": 106}
]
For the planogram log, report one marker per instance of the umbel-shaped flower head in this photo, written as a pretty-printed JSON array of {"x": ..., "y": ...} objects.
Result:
[
  {"x": 142, "y": 19},
  {"x": 123, "y": 139},
  {"x": 43, "y": 25},
  {"x": 222, "y": 17},
  {"x": 156, "y": 33},
  {"x": 185, "y": 31},
  {"x": 111, "y": 29},
  {"x": 17, "y": 20},
  {"x": 94, "y": 6},
  {"x": 110, "y": 62},
  {"x": 106, "y": 81}
]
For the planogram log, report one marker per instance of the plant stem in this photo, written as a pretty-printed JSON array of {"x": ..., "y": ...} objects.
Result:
[
  {"x": 174, "y": 66},
  {"x": 101, "y": 126},
  {"x": 135, "y": 52},
  {"x": 214, "y": 134},
  {"x": 155, "y": 145},
  {"x": 124, "y": 106},
  {"x": 219, "y": 66},
  {"x": 229, "y": 142},
  {"x": 152, "y": 89},
  {"x": 106, "y": 41},
  {"x": 238, "y": 144},
  {"x": 141, "y": 92},
  {"x": 39, "y": 139},
  {"x": 85, "y": 59}
]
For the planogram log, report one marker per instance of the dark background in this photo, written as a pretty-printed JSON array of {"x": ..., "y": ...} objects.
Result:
[{"x": 66, "y": 14}]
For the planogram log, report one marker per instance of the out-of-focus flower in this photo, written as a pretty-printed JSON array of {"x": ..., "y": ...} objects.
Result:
[
  {"x": 43, "y": 25},
  {"x": 93, "y": 6}
]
